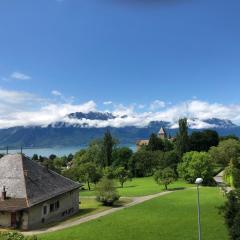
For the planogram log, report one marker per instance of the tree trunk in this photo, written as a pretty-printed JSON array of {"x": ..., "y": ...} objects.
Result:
[
  {"x": 165, "y": 186},
  {"x": 89, "y": 188}
]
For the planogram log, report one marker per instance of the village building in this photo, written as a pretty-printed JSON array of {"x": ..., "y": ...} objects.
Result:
[
  {"x": 33, "y": 195},
  {"x": 161, "y": 134}
]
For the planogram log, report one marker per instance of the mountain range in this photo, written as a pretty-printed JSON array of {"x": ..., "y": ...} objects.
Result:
[{"x": 80, "y": 128}]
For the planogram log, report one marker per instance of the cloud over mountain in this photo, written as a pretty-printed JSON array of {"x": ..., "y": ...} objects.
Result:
[{"x": 27, "y": 109}]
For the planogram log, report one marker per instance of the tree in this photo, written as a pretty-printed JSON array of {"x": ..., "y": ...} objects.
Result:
[
  {"x": 122, "y": 175},
  {"x": 182, "y": 140},
  {"x": 108, "y": 144},
  {"x": 167, "y": 159},
  {"x": 231, "y": 212},
  {"x": 165, "y": 177},
  {"x": 72, "y": 173},
  {"x": 202, "y": 141},
  {"x": 89, "y": 173},
  {"x": 108, "y": 172},
  {"x": 195, "y": 165},
  {"x": 155, "y": 143},
  {"x": 93, "y": 153},
  {"x": 106, "y": 192},
  {"x": 142, "y": 163},
  {"x": 52, "y": 156},
  {"x": 225, "y": 152},
  {"x": 35, "y": 157},
  {"x": 223, "y": 138},
  {"x": 121, "y": 157}
]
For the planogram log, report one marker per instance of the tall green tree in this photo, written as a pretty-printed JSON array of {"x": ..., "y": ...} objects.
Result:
[
  {"x": 225, "y": 152},
  {"x": 121, "y": 157},
  {"x": 202, "y": 141},
  {"x": 182, "y": 140},
  {"x": 108, "y": 144}
]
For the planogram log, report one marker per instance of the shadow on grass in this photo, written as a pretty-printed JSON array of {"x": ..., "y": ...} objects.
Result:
[
  {"x": 84, "y": 211},
  {"x": 176, "y": 189},
  {"x": 126, "y": 186}
]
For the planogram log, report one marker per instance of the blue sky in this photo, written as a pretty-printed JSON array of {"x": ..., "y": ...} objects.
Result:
[{"x": 133, "y": 53}]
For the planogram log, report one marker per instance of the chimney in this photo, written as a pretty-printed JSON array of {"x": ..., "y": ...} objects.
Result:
[{"x": 4, "y": 194}]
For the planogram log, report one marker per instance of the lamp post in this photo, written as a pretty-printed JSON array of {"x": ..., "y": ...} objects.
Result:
[{"x": 198, "y": 182}]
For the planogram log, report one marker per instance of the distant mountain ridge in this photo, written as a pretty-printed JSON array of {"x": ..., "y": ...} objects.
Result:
[{"x": 76, "y": 129}]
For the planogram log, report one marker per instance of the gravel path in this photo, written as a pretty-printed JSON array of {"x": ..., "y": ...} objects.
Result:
[{"x": 136, "y": 200}]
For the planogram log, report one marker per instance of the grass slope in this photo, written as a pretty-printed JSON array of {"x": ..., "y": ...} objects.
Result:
[
  {"x": 171, "y": 217},
  {"x": 140, "y": 187}
]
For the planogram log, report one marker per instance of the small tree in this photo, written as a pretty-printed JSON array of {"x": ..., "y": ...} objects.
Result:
[
  {"x": 106, "y": 192},
  {"x": 122, "y": 175},
  {"x": 165, "y": 177},
  {"x": 89, "y": 173}
]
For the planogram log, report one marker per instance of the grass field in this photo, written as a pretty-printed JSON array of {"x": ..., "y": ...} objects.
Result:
[
  {"x": 170, "y": 217},
  {"x": 140, "y": 187}
]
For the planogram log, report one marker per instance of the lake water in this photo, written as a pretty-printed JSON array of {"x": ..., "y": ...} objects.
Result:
[{"x": 59, "y": 151}]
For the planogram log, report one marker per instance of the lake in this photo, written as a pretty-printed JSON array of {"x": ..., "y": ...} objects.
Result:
[{"x": 59, "y": 151}]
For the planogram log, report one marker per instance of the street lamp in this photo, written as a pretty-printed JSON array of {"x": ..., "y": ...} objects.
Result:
[{"x": 198, "y": 182}]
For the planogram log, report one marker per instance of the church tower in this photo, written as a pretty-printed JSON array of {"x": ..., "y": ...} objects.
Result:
[{"x": 162, "y": 133}]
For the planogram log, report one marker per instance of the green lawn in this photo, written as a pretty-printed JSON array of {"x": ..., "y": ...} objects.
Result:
[
  {"x": 170, "y": 217},
  {"x": 140, "y": 187}
]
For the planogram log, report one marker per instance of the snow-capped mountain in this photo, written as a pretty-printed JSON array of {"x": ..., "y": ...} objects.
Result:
[{"x": 80, "y": 128}]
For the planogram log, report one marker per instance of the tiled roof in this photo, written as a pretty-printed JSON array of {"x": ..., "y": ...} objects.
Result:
[
  {"x": 26, "y": 179},
  {"x": 12, "y": 205}
]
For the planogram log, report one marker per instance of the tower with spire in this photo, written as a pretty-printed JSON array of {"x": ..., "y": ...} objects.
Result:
[{"x": 162, "y": 133}]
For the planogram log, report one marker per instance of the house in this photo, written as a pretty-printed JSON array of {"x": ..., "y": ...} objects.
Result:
[
  {"x": 32, "y": 195},
  {"x": 161, "y": 134}
]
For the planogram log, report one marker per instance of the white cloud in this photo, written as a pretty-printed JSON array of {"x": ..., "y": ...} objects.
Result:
[
  {"x": 56, "y": 93},
  {"x": 108, "y": 103},
  {"x": 156, "y": 105},
  {"x": 141, "y": 106},
  {"x": 19, "y": 76},
  {"x": 26, "y": 109}
]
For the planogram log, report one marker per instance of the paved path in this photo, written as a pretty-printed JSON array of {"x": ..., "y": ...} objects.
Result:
[
  {"x": 136, "y": 200},
  {"x": 219, "y": 180}
]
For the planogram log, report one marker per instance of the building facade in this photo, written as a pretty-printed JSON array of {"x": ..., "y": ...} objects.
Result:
[{"x": 32, "y": 195}]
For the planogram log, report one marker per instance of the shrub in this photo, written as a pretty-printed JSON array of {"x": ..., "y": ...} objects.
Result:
[
  {"x": 15, "y": 236},
  {"x": 106, "y": 192}
]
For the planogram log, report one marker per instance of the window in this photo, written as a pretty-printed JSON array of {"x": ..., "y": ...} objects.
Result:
[
  {"x": 57, "y": 205},
  {"x": 51, "y": 207},
  {"x": 45, "y": 210}
]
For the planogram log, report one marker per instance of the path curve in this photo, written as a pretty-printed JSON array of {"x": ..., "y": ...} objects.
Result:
[{"x": 64, "y": 225}]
